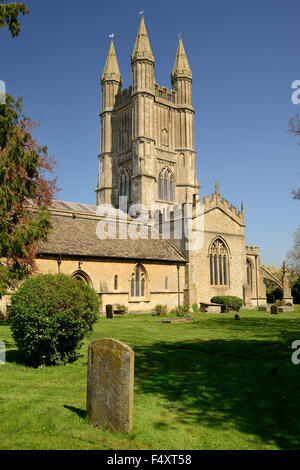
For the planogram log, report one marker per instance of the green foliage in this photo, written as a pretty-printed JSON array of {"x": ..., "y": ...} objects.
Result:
[
  {"x": 9, "y": 15},
  {"x": 49, "y": 315},
  {"x": 273, "y": 293},
  {"x": 296, "y": 290},
  {"x": 181, "y": 311},
  {"x": 229, "y": 302},
  {"x": 24, "y": 185},
  {"x": 160, "y": 309},
  {"x": 123, "y": 308},
  {"x": 195, "y": 308}
]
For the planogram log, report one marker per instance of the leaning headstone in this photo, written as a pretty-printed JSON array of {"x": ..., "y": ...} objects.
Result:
[
  {"x": 110, "y": 384},
  {"x": 109, "y": 311},
  {"x": 274, "y": 309}
]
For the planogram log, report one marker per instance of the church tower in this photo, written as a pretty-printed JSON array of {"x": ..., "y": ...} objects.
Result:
[{"x": 147, "y": 132}]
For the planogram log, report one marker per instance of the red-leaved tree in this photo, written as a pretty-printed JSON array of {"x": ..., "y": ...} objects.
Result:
[{"x": 27, "y": 187}]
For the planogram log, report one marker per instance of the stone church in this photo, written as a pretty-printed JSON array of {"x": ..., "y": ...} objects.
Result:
[{"x": 147, "y": 158}]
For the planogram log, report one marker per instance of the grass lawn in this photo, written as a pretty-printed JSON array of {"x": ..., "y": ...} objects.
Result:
[{"x": 201, "y": 385}]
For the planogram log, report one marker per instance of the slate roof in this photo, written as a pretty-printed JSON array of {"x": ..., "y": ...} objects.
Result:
[{"x": 77, "y": 237}]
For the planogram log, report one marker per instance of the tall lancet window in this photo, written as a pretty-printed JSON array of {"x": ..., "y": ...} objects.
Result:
[
  {"x": 249, "y": 273},
  {"x": 218, "y": 263},
  {"x": 160, "y": 186},
  {"x": 166, "y": 185},
  {"x": 125, "y": 184}
]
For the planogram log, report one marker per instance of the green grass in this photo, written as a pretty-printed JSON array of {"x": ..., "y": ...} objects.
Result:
[{"x": 201, "y": 385}]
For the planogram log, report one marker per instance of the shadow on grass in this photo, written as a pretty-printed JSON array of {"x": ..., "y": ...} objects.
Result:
[
  {"x": 81, "y": 413},
  {"x": 247, "y": 385}
]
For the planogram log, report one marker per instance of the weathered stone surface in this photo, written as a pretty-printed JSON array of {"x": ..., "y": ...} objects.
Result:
[
  {"x": 109, "y": 311},
  {"x": 263, "y": 308},
  {"x": 177, "y": 320},
  {"x": 274, "y": 309},
  {"x": 210, "y": 307},
  {"x": 110, "y": 384},
  {"x": 286, "y": 308}
]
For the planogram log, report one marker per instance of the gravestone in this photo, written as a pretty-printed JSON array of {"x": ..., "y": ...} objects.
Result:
[
  {"x": 278, "y": 302},
  {"x": 274, "y": 309},
  {"x": 110, "y": 384},
  {"x": 109, "y": 311}
]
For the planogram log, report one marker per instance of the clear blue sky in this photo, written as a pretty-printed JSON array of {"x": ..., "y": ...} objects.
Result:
[{"x": 244, "y": 56}]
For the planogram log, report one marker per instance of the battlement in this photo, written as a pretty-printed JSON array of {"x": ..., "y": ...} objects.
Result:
[
  {"x": 164, "y": 93},
  {"x": 210, "y": 202},
  {"x": 124, "y": 96},
  {"x": 252, "y": 250}
]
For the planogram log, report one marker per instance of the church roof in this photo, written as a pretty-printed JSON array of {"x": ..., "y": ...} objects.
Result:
[{"x": 74, "y": 234}]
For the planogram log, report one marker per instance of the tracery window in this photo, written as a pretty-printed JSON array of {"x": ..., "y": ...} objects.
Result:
[
  {"x": 126, "y": 184},
  {"x": 166, "y": 185},
  {"x": 218, "y": 263},
  {"x": 138, "y": 282}
]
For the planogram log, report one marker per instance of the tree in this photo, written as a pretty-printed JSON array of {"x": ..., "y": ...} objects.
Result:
[
  {"x": 294, "y": 128},
  {"x": 25, "y": 194},
  {"x": 294, "y": 253},
  {"x": 9, "y": 13}
]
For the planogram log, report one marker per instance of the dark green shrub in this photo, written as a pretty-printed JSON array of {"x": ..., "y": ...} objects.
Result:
[
  {"x": 273, "y": 293},
  {"x": 49, "y": 315},
  {"x": 160, "y": 309},
  {"x": 229, "y": 302},
  {"x": 296, "y": 290},
  {"x": 195, "y": 308}
]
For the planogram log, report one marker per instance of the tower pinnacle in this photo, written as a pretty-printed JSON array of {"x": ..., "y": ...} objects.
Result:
[
  {"x": 181, "y": 66},
  {"x": 111, "y": 69},
  {"x": 217, "y": 187},
  {"x": 142, "y": 48}
]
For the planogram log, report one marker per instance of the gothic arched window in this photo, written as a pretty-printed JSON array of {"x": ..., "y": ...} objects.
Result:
[
  {"x": 249, "y": 273},
  {"x": 166, "y": 185},
  {"x": 218, "y": 263},
  {"x": 138, "y": 282},
  {"x": 125, "y": 184}
]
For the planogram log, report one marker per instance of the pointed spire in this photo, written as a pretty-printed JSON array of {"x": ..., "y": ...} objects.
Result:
[
  {"x": 217, "y": 187},
  {"x": 283, "y": 267},
  {"x": 111, "y": 69},
  {"x": 181, "y": 65},
  {"x": 142, "y": 48},
  {"x": 242, "y": 206}
]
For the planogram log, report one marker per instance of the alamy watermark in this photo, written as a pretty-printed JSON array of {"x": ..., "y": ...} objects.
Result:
[
  {"x": 296, "y": 94},
  {"x": 2, "y": 92},
  {"x": 296, "y": 354},
  {"x": 185, "y": 223},
  {"x": 2, "y": 352}
]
